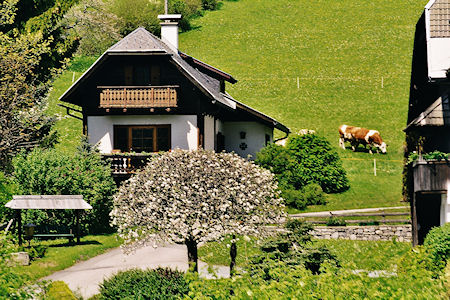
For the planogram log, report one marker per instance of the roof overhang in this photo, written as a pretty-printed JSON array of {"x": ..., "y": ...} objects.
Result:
[
  {"x": 219, "y": 73},
  {"x": 48, "y": 202}
]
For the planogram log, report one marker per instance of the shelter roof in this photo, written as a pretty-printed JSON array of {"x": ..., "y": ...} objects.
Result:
[{"x": 48, "y": 202}]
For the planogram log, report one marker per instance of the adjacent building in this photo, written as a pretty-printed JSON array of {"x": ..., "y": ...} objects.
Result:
[{"x": 428, "y": 181}]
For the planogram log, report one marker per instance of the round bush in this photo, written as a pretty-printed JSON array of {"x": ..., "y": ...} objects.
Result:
[
  {"x": 161, "y": 283},
  {"x": 306, "y": 159},
  {"x": 437, "y": 243}
]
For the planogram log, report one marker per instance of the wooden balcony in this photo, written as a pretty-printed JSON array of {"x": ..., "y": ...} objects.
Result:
[
  {"x": 127, "y": 163},
  {"x": 138, "y": 96},
  {"x": 431, "y": 175}
]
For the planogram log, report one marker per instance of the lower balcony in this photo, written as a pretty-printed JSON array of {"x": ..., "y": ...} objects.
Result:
[
  {"x": 431, "y": 175},
  {"x": 127, "y": 164}
]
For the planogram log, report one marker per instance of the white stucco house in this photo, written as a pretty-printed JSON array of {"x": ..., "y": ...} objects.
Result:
[
  {"x": 428, "y": 129},
  {"x": 143, "y": 95}
]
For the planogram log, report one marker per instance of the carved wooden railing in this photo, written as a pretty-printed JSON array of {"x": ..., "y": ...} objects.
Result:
[
  {"x": 138, "y": 96},
  {"x": 123, "y": 164}
]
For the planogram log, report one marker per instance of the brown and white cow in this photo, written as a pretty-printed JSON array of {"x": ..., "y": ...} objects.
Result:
[{"x": 363, "y": 136}]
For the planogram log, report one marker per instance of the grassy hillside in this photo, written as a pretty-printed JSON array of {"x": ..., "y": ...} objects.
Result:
[{"x": 352, "y": 60}]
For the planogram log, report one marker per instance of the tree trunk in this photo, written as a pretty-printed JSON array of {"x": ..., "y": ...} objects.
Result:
[
  {"x": 233, "y": 254},
  {"x": 191, "y": 245}
]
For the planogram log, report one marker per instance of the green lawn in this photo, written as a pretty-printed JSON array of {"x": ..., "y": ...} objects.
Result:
[
  {"x": 352, "y": 60},
  {"x": 68, "y": 128},
  {"x": 367, "y": 255},
  {"x": 61, "y": 255},
  {"x": 341, "y": 52}
]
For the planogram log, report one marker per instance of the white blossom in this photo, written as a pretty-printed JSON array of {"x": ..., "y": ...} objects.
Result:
[{"x": 198, "y": 195}]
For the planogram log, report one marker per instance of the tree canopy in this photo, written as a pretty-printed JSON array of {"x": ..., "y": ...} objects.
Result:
[
  {"x": 195, "y": 196},
  {"x": 32, "y": 47}
]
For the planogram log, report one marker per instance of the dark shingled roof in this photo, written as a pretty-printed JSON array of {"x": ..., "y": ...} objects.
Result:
[{"x": 142, "y": 41}]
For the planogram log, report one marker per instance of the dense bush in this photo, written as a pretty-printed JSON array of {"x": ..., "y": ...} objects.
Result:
[
  {"x": 437, "y": 243},
  {"x": 292, "y": 248},
  {"x": 333, "y": 221},
  {"x": 34, "y": 252},
  {"x": 161, "y": 283},
  {"x": 58, "y": 290},
  {"x": 296, "y": 282},
  {"x": 306, "y": 159},
  {"x": 210, "y": 4},
  {"x": 50, "y": 172},
  {"x": 311, "y": 194},
  {"x": 10, "y": 280},
  {"x": 7, "y": 189}
]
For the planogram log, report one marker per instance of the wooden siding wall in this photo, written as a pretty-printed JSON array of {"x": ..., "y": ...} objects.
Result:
[{"x": 431, "y": 176}]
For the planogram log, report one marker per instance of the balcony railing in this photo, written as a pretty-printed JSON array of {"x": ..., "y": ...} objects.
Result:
[
  {"x": 127, "y": 163},
  {"x": 138, "y": 96}
]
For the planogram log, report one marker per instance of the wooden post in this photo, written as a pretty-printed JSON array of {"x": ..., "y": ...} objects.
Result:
[
  {"x": 374, "y": 167},
  {"x": 298, "y": 83},
  {"x": 19, "y": 225},
  {"x": 414, "y": 229},
  {"x": 77, "y": 225}
]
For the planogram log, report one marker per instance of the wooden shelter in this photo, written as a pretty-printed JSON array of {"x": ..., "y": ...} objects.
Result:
[{"x": 74, "y": 202}]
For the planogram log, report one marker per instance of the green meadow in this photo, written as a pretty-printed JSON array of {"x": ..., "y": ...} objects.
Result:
[
  {"x": 317, "y": 65},
  {"x": 309, "y": 64}
]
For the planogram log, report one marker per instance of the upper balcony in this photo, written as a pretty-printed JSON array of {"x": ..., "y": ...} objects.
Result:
[{"x": 138, "y": 96}]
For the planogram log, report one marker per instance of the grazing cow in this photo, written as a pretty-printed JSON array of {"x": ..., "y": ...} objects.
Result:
[{"x": 363, "y": 136}]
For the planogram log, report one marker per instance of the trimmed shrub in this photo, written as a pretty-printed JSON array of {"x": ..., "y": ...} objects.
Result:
[
  {"x": 311, "y": 194},
  {"x": 294, "y": 198},
  {"x": 58, "y": 290},
  {"x": 437, "y": 244},
  {"x": 50, "y": 172},
  {"x": 161, "y": 283}
]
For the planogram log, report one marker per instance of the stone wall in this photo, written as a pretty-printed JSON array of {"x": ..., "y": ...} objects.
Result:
[{"x": 367, "y": 233}]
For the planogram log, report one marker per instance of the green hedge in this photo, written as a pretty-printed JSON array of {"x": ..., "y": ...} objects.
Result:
[
  {"x": 437, "y": 245},
  {"x": 161, "y": 283},
  {"x": 58, "y": 290}
]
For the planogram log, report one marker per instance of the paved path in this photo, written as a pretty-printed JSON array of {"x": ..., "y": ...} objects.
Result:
[
  {"x": 343, "y": 212},
  {"x": 85, "y": 277}
]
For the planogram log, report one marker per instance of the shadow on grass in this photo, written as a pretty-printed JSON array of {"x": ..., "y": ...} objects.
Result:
[{"x": 68, "y": 244}]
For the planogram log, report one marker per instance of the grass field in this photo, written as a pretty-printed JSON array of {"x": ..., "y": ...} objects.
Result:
[
  {"x": 369, "y": 255},
  {"x": 351, "y": 59},
  {"x": 61, "y": 255}
]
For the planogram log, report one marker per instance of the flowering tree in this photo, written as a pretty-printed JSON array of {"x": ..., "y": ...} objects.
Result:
[{"x": 195, "y": 196}]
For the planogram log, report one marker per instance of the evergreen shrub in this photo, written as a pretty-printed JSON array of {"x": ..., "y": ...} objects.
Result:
[
  {"x": 160, "y": 283},
  {"x": 305, "y": 168},
  {"x": 437, "y": 245}
]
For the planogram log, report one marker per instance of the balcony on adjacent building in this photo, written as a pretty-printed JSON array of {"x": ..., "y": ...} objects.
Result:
[
  {"x": 138, "y": 96},
  {"x": 431, "y": 175}
]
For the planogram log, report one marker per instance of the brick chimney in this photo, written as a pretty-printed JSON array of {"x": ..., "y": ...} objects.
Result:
[{"x": 169, "y": 30}]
